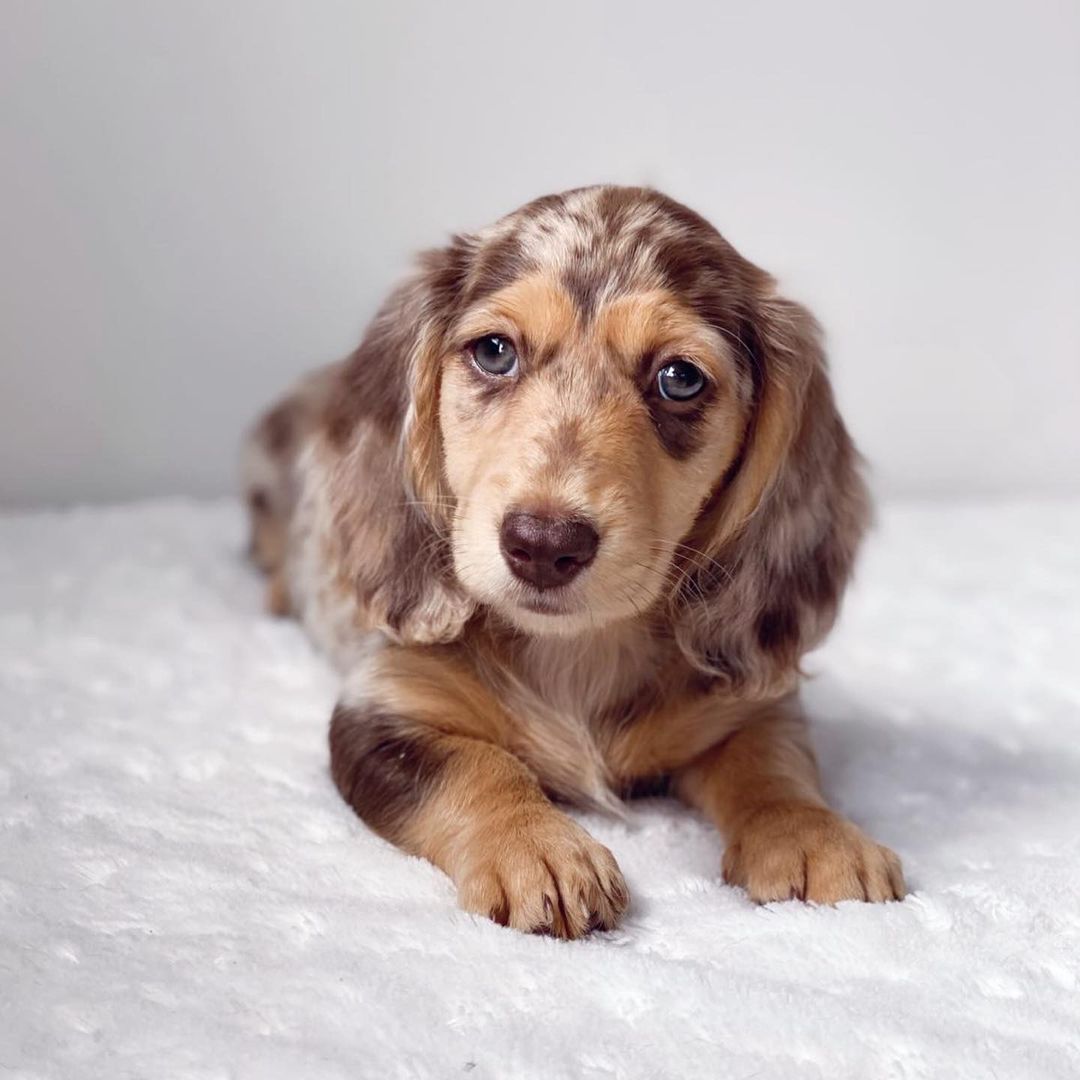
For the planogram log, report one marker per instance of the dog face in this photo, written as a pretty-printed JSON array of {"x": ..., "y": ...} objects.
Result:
[
  {"x": 581, "y": 441},
  {"x": 597, "y": 410}
]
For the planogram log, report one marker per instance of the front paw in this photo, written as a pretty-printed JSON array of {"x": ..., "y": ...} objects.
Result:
[
  {"x": 543, "y": 874},
  {"x": 788, "y": 852}
]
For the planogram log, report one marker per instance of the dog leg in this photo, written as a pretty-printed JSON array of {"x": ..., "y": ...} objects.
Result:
[
  {"x": 415, "y": 754},
  {"x": 761, "y": 788},
  {"x": 268, "y": 465}
]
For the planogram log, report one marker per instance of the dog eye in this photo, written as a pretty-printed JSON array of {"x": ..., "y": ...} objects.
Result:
[
  {"x": 680, "y": 380},
  {"x": 494, "y": 354}
]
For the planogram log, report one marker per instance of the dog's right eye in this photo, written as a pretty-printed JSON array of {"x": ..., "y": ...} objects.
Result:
[{"x": 494, "y": 354}]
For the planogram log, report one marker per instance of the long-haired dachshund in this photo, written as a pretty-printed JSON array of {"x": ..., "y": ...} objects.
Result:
[{"x": 566, "y": 520}]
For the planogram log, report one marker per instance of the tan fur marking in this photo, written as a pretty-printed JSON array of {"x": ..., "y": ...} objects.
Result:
[
  {"x": 513, "y": 857},
  {"x": 535, "y": 306},
  {"x": 761, "y": 787},
  {"x": 676, "y": 733},
  {"x": 657, "y": 322},
  {"x": 439, "y": 688},
  {"x": 774, "y": 431}
]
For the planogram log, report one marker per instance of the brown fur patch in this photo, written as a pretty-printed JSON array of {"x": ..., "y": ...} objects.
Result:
[{"x": 384, "y": 766}]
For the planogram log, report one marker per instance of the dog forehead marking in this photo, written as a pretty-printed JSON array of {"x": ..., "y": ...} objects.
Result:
[{"x": 599, "y": 243}]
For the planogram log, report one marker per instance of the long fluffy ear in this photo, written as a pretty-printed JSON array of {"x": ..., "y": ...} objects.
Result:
[
  {"x": 389, "y": 512},
  {"x": 781, "y": 536}
]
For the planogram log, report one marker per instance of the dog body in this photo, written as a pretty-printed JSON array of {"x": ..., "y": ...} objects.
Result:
[{"x": 566, "y": 521}]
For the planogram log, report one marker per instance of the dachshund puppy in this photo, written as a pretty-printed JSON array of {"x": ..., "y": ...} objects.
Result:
[{"x": 566, "y": 520}]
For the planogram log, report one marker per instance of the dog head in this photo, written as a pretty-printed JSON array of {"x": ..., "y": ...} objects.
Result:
[{"x": 601, "y": 411}]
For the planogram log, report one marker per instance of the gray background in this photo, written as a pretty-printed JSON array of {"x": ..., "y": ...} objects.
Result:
[{"x": 198, "y": 200}]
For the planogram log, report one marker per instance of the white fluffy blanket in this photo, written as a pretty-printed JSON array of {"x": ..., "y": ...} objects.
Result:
[{"x": 184, "y": 895}]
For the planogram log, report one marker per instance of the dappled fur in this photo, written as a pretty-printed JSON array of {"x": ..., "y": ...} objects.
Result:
[
  {"x": 728, "y": 527},
  {"x": 788, "y": 527}
]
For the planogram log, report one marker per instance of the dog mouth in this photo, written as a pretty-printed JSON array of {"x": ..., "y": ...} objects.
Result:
[{"x": 546, "y": 602}]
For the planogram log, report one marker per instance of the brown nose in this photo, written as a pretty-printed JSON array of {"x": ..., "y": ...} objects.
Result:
[{"x": 546, "y": 551}]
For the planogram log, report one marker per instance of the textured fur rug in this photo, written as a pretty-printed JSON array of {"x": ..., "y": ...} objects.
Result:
[{"x": 184, "y": 895}]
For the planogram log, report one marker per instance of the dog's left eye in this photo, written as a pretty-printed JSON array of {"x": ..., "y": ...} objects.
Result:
[
  {"x": 680, "y": 379},
  {"x": 494, "y": 354}
]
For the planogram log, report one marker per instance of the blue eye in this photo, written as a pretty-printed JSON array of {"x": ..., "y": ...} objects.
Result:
[
  {"x": 494, "y": 354},
  {"x": 680, "y": 380}
]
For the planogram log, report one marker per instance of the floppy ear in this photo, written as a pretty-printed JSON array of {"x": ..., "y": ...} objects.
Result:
[
  {"x": 389, "y": 511},
  {"x": 781, "y": 536}
]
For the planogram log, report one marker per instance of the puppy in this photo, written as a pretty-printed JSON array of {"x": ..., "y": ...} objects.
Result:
[{"x": 566, "y": 520}]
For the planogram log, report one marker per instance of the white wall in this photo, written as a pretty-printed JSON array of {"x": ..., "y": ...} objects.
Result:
[{"x": 198, "y": 199}]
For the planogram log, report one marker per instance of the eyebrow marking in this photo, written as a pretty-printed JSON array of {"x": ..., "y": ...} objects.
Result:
[{"x": 499, "y": 265}]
